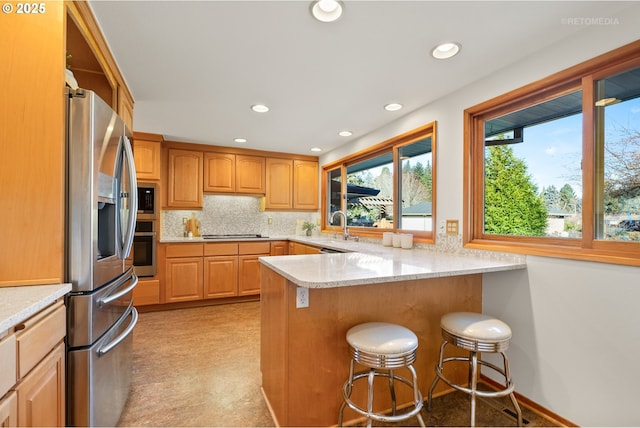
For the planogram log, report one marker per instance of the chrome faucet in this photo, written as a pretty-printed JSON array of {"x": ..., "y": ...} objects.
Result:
[{"x": 345, "y": 230}]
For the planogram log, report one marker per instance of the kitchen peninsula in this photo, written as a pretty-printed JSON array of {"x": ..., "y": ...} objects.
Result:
[{"x": 304, "y": 355}]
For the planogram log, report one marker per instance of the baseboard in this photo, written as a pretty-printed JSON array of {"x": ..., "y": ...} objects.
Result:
[
  {"x": 196, "y": 303},
  {"x": 531, "y": 405},
  {"x": 273, "y": 415}
]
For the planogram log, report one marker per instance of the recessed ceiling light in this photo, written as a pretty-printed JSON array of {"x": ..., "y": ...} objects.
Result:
[
  {"x": 445, "y": 50},
  {"x": 316, "y": 149},
  {"x": 260, "y": 108},
  {"x": 345, "y": 133},
  {"x": 607, "y": 102},
  {"x": 393, "y": 107},
  {"x": 240, "y": 140},
  {"x": 326, "y": 10}
]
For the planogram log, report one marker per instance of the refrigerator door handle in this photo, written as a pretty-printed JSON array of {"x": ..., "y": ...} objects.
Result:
[
  {"x": 122, "y": 336},
  {"x": 113, "y": 297},
  {"x": 133, "y": 209}
]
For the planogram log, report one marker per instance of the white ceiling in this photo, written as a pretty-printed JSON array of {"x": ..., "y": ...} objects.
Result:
[{"x": 195, "y": 68}]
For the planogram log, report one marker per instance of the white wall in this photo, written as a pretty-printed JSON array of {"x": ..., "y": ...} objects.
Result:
[{"x": 576, "y": 327}]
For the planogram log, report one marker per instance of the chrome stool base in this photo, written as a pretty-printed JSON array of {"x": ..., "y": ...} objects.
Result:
[
  {"x": 366, "y": 337},
  {"x": 474, "y": 343}
]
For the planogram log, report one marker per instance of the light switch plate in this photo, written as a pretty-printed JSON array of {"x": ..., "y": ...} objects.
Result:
[{"x": 452, "y": 227}]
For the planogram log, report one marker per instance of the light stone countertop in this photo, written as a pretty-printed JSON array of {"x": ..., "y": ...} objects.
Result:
[
  {"x": 368, "y": 263},
  {"x": 17, "y": 304},
  {"x": 198, "y": 239}
]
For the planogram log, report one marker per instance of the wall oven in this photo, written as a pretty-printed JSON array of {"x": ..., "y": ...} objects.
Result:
[{"x": 144, "y": 248}]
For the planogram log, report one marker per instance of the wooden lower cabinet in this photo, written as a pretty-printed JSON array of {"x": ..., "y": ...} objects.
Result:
[
  {"x": 220, "y": 276},
  {"x": 41, "y": 393},
  {"x": 32, "y": 370},
  {"x": 298, "y": 248},
  {"x": 9, "y": 410},
  {"x": 279, "y": 248},
  {"x": 211, "y": 270},
  {"x": 248, "y": 275},
  {"x": 184, "y": 279},
  {"x": 249, "y": 266},
  {"x": 147, "y": 292}
]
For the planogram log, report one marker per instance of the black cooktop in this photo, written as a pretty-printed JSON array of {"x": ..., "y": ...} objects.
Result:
[{"x": 235, "y": 236}]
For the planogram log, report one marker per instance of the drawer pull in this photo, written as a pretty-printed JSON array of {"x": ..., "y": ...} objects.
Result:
[{"x": 122, "y": 336}]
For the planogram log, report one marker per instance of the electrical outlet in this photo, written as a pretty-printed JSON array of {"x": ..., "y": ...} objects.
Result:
[
  {"x": 184, "y": 220},
  {"x": 269, "y": 220},
  {"x": 452, "y": 227},
  {"x": 302, "y": 297}
]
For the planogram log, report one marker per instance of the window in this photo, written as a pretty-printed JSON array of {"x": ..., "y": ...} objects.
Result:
[
  {"x": 617, "y": 144},
  {"x": 535, "y": 153},
  {"x": 554, "y": 167},
  {"x": 390, "y": 187}
]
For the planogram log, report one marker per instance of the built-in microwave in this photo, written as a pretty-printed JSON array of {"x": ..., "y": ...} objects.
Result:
[{"x": 147, "y": 201}]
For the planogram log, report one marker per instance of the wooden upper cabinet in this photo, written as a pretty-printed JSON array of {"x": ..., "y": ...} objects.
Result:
[
  {"x": 229, "y": 173},
  {"x": 219, "y": 172},
  {"x": 250, "y": 176},
  {"x": 184, "y": 179},
  {"x": 146, "y": 154},
  {"x": 305, "y": 185},
  {"x": 125, "y": 107},
  {"x": 279, "y": 177},
  {"x": 292, "y": 184}
]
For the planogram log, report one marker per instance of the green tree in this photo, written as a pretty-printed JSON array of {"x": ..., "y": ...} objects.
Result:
[
  {"x": 551, "y": 197},
  {"x": 512, "y": 204},
  {"x": 568, "y": 199}
]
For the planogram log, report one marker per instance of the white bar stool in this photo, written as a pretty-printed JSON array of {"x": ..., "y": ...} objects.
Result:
[
  {"x": 382, "y": 346},
  {"x": 475, "y": 333}
]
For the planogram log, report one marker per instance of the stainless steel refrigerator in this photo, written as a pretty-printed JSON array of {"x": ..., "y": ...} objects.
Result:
[{"x": 101, "y": 216}]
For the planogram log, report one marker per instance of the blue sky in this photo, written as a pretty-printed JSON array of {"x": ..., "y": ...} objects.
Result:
[{"x": 553, "y": 150}]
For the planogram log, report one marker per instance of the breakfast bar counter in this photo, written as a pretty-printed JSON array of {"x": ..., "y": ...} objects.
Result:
[{"x": 304, "y": 354}]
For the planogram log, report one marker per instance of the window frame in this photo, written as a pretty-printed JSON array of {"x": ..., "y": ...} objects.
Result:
[
  {"x": 582, "y": 76},
  {"x": 391, "y": 145}
]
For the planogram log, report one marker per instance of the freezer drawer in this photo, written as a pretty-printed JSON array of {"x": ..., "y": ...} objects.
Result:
[
  {"x": 99, "y": 377},
  {"x": 90, "y": 315}
]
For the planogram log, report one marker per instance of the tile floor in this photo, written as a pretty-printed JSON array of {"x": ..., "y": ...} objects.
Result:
[{"x": 200, "y": 367}]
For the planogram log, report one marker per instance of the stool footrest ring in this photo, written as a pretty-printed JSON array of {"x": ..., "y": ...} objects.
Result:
[
  {"x": 488, "y": 394},
  {"x": 378, "y": 416}
]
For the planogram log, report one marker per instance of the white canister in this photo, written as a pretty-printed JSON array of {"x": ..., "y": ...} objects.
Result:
[
  {"x": 406, "y": 240},
  {"x": 387, "y": 239},
  {"x": 397, "y": 240}
]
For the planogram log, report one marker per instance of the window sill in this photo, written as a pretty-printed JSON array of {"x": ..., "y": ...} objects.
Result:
[{"x": 555, "y": 251}]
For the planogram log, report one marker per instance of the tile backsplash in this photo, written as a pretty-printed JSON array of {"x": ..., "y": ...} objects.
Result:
[{"x": 222, "y": 214}]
